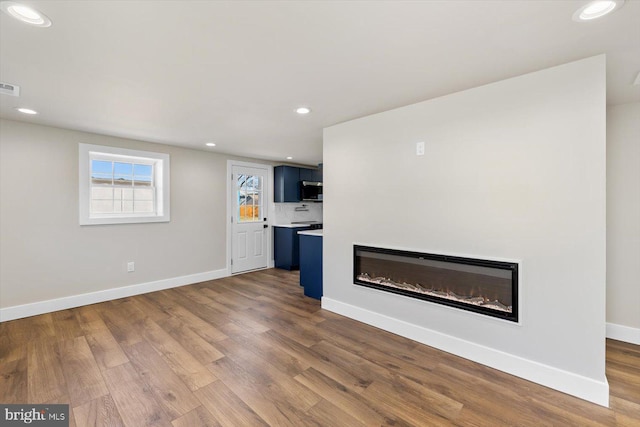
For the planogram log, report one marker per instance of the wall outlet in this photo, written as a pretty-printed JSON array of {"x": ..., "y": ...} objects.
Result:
[
  {"x": 131, "y": 266},
  {"x": 420, "y": 148}
]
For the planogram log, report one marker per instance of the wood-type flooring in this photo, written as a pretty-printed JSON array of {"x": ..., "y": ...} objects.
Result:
[{"x": 252, "y": 350}]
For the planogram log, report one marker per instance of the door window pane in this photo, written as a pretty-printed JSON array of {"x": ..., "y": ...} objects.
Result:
[{"x": 249, "y": 198}]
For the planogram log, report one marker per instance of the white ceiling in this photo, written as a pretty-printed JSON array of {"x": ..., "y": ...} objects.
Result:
[{"x": 188, "y": 72}]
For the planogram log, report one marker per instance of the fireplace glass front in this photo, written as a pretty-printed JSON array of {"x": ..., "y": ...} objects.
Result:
[{"x": 483, "y": 286}]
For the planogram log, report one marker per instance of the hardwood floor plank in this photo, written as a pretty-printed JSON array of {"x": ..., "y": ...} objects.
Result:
[
  {"x": 234, "y": 301},
  {"x": 124, "y": 329},
  {"x": 135, "y": 402},
  {"x": 232, "y": 330},
  {"x": 89, "y": 318},
  {"x": 83, "y": 378},
  {"x": 312, "y": 359},
  {"x": 627, "y": 413},
  {"x": 162, "y": 300},
  {"x": 30, "y": 328},
  {"x": 45, "y": 379},
  {"x": 13, "y": 381},
  {"x": 340, "y": 396},
  {"x": 386, "y": 385},
  {"x": 214, "y": 313},
  {"x": 254, "y": 389},
  {"x": 193, "y": 373},
  {"x": 207, "y": 289},
  {"x": 626, "y": 380},
  {"x": 150, "y": 309},
  {"x": 426, "y": 408},
  {"x": 195, "y": 294},
  {"x": 365, "y": 371},
  {"x": 624, "y": 353},
  {"x": 508, "y": 402},
  {"x": 325, "y": 413},
  {"x": 11, "y": 349},
  {"x": 197, "y": 346},
  {"x": 362, "y": 334},
  {"x": 291, "y": 391},
  {"x": 100, "y": 412},
  {"x": 280, "y": 359},
  {"x": 310, "y": 316},
  {"x": 72, "y": 418},
  {"x": 106, "y": 350},
  {"x": 560, "y": 416},
  {"x": 204, "y": 311},
  {"x": 205, "y": 330},
  {"x": 276, "y": 321},
  {"x": 199, "y": 417},
  {"x": 169, "y": 390},
  {"x": 227, "y": 408},
  {"x": 66, "y": 325}
]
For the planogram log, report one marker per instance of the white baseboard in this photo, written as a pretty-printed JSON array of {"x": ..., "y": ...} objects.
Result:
[
  {"x": 41, "y": 307},
  {"x": 623, "y": 333},
  {"x": 557, "y": 379}
]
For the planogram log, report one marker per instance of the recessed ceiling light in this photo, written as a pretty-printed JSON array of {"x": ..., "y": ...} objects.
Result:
[
  {"x": 303, "y": 110},
  {"x": 210, "y": 144},
  {"x": 25, "y": 14},
  {"x": 289, "y": 158},
  {"x": 27, "y": 111},
  {"x": 596, "y": 9}
]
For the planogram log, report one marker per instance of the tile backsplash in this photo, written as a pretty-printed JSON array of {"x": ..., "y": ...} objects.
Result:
[{"x": 286, "y": 213}]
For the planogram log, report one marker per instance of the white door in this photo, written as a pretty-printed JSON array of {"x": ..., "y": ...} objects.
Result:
[{"x": 249, "y": 221}]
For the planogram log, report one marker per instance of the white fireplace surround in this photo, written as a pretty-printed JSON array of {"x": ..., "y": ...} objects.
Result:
[{"x": 516, "y": 170}]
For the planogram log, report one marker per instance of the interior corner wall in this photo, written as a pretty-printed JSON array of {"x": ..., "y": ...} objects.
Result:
[
  {"x": 45, "y": 255},
  {"x": 512, "y": 170},
  {"x": 623, "y": 221}
]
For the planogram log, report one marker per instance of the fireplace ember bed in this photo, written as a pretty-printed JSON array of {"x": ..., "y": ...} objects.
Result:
[{"x": 482, "y": 286}]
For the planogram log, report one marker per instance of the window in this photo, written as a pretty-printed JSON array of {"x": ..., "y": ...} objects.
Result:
[
  {"x": 122, "y": 186},
  {"x": 249, "y": 198}
]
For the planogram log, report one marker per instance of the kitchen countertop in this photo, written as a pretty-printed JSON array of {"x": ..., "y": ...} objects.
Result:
[
  {"x": 311, "y": 232},
  {"x": 298, "y": 225}
]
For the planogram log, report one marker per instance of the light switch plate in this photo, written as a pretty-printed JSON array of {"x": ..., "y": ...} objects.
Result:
[{"x": 420, "y": 148}]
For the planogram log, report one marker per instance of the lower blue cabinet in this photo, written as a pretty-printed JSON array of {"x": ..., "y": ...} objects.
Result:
[
  {"x": 311, "y": 265},
  {"x": 286, "y": 247}
]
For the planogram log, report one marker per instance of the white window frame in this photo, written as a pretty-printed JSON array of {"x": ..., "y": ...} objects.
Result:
[{"x": 161, "y": 166}]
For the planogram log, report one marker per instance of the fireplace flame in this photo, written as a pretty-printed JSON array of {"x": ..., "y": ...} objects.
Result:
[{"x": 472, "y": 299}]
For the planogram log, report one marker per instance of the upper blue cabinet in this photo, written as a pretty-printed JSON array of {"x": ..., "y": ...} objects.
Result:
[
  {"x": 287, "y": 182},
  {"x": 311, "y": 175}
]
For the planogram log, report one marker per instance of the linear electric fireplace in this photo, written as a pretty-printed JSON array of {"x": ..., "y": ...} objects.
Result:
[{"x": 483, "y": 286}]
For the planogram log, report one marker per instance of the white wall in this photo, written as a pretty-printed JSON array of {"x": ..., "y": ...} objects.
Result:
[
  {"x": 512, "y": 170},
  {"x": 623, "y": 221},
  {"x": 46, "y": 255}
]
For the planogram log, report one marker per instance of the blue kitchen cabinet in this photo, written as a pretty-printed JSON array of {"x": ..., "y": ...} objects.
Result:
[
  {"x": 286, "y": 247},
  {"x": 314, "y": 175},
  {"x": 286, "y": 186},
  {"x": 311, "y": 265}
]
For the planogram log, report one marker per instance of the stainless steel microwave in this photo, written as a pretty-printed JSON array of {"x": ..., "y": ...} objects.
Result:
[{"x": 311, "y": 191}]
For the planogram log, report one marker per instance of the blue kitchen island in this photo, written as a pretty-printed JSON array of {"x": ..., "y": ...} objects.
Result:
[{"x": 311, "y": 262}]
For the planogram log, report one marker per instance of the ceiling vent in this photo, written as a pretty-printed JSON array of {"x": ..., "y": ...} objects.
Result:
[{"x": 9, "y": 89}]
